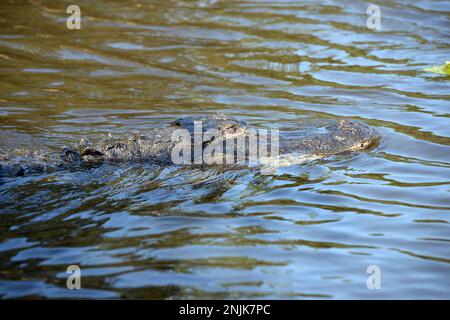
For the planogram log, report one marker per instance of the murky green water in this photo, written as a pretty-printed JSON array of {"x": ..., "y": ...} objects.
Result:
[{"x": 309, "y": 230}]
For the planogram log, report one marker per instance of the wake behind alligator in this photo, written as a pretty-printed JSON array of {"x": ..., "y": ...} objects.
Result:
[{"x": 218, "y": 131}]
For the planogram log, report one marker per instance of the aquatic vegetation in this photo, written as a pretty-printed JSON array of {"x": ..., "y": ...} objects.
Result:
[{"x": 444, "y": 69}]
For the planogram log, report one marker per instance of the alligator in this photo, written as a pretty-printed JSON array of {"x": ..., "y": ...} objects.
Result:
[{"x": 157, "y": 146}]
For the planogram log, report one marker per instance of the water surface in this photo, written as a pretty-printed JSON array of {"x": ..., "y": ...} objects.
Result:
[{"x": 307, "y": 231}]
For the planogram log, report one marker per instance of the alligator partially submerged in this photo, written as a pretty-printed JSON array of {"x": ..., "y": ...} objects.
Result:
[{"x": 158, "y": 145}]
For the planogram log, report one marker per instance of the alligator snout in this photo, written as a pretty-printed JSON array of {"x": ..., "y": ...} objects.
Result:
[{"x": 354, "y": 135}]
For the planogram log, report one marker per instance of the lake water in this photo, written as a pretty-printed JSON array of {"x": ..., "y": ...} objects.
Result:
[{"x": 307, "y": 231}]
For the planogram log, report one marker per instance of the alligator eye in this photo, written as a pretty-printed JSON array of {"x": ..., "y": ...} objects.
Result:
[{"x": 232, "y": 128}]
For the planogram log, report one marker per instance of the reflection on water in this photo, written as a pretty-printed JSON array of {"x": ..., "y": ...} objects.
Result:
[{"x": 310, "y": 230}]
